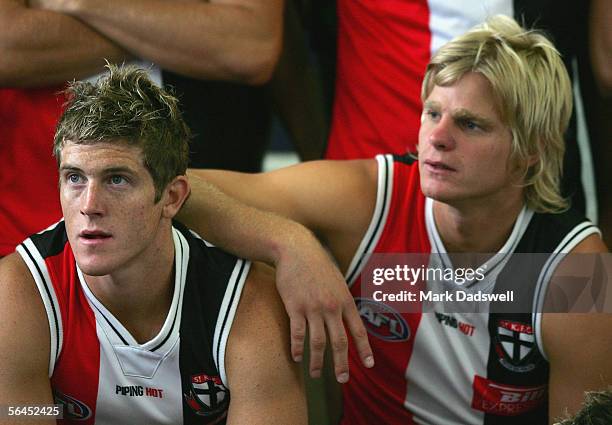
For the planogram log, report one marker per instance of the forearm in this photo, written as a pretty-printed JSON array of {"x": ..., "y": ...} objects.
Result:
[
  {"x": 243, "y": 230},
  {"x": 229, "y": 40},
  {"x": 39, "y": 47},
  {"x": 601, "y": 45}
]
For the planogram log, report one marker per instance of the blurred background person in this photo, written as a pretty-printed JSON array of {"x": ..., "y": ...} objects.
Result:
[{"x": 214, "y": 57}]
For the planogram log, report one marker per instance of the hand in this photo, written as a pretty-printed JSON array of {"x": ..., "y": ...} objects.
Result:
[{"x": 314, "y": 291}]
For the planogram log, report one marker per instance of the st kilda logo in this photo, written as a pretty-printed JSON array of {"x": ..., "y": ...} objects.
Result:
[
  {"x": 208, "y": 397},
  {"x": 514, "y": 346}
]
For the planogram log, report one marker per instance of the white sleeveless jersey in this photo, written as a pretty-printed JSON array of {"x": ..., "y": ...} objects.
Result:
[
  {"x": 444, "y": 367},
  {"x": 102, "y": 375}
]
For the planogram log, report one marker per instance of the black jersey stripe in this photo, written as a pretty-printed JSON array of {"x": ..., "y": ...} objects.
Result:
[
  {"x": 50, "y": 298},
  {"x": 235, "y": 283},
  {"x": 180, "y": 273},
  {"x": 377, "y": 228},
  {"x": 577, "y": 234},
  {"x": 111, "y": 324}
]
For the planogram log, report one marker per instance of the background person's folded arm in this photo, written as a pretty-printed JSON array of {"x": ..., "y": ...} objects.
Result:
[
  {"x": 600, "y": 31},
  {"x": 41, "y": 48},
  {"x": 236, "y": 40}
]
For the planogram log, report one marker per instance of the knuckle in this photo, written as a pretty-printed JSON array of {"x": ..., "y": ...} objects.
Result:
[
  {"x": 360, "y": 332},
  {"x": 331, "y": 306},
  {"x": 339, "y": 344},
  {"x": 317, "y": 344},
  {"x": 298, "y": 333}
]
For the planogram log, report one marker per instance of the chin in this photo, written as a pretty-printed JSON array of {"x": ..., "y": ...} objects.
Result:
[
  {"x": 435, "y": 190},
  {"x": 93, "y": 265}
]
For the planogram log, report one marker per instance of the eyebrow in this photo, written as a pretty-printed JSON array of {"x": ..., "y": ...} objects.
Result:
[
  {"x": 111, "y": 170},
  {"x": 461, "y": 114},
  {"x": 69, "y": 168},
  {"x": 465, "y": 115},
  {"x": 431, "y": 104}
]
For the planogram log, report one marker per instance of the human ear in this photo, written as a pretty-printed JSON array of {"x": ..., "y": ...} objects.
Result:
[{"x": 175, "y": 195}]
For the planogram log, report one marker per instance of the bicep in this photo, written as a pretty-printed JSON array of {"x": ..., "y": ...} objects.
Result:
[
  {"x": 24, "y": 337},
  {"x": 266, "y": 385},
  {"x": 578, "y": 347},
  {"x": 325, "y": 196},
  {"x": 576, "y": 338}
]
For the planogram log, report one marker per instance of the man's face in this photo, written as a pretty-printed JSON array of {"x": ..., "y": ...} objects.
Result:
[
  {"x": 107, "y": 197},
  {"x": 464, "y": 146}
]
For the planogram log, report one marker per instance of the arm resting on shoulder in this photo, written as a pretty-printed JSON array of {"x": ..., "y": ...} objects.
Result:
[
  {"x": 320, "y": 196},
  {"x": 24, "y": 333}
]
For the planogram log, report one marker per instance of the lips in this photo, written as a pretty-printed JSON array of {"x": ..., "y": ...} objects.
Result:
[
  {"x": 438, "y": 166},
  {"x": 94, "y": 234}
]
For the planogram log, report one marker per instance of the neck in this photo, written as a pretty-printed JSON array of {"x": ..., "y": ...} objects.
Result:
[
  {"x": 140, "y": 294},
  {"x": 476, "y": 228}
]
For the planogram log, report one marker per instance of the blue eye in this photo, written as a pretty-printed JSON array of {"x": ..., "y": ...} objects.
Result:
[
  {"x": 432, "y": 114},
  {"x": 74, "y": 178},
  {"x": 116, "y": 180}
]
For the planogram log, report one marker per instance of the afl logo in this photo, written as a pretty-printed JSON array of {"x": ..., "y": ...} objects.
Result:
[
  {"x": 382, "y": 321},
  {"x": 73, "y": 409}
]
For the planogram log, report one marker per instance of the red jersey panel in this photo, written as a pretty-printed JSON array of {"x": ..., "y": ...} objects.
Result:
[
  {"x": 383, "y": 50},
  {"x": 441, "y": 367},
  {"x": 28, "y": 171}
]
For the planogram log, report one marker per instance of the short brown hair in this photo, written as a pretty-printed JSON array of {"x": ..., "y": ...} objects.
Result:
[{"x": 125, "y": 106}]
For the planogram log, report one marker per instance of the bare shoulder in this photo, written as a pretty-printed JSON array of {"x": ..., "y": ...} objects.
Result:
[
  {"x": 266, "y": 385},
  {"x": 260, "y": 320},
  {"x": 24, "y": 335},
  {"x": 590, "y": 245},
  {"x": 16, "y": 282},
  {"x": 582, "y": 264},
  {"x": 577, "y": 342}
]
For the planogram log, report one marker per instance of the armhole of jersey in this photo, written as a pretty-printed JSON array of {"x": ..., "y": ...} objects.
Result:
[
  {"x": 38, "y": 268},
  {"x": 573, "y": 238},
  {"x": 379, "y": 218},
  {"x": 227, "y": 313},
  {"x": 195, "y": 234}
]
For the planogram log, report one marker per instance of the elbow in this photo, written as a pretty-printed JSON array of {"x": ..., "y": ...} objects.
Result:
[
  {"x": 7, "y": 66},
  {"x": 603, "y": 77},
  {"x": 259, "y": 73},
  {"x": 257, "y": 67},
  {"x": 9, "y": 72}
]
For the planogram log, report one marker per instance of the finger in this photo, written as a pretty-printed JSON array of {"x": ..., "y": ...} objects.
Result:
[
  {"x": 317, "y": 344},
  {"x": 298, "y": 334},
  {"x": 360, "y": 335},
  {"x": 339, "y": 345}
]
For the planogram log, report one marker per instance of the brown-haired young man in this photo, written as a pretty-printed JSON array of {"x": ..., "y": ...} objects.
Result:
[{"x": 122, "y": 316}]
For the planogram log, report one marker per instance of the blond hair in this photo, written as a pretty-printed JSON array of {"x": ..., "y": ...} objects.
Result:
[{"x": 533, "y": 92}]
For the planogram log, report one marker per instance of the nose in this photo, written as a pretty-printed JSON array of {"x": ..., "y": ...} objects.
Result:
[
  {"x": 91, "y": 202},
  {"x": 441, "y": 135}
]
